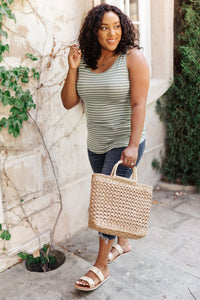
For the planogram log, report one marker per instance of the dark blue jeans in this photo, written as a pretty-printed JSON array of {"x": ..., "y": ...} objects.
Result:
[{"x": 103, "y": 163}]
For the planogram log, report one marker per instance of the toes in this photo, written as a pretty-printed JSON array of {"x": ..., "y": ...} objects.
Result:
[{"x": 82, "y": 283}]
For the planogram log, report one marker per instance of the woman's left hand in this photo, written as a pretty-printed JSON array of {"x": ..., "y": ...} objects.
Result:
[{"x": 129, "y": 157}]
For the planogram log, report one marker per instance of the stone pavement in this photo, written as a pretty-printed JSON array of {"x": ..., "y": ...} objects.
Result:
[{"x": 163, "y": 265}]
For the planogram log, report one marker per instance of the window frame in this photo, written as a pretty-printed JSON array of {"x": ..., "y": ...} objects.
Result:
[{"x": 144, "y": 22}]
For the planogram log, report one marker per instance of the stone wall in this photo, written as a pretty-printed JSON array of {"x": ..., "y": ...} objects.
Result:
[{"x": 44, "y": 172}]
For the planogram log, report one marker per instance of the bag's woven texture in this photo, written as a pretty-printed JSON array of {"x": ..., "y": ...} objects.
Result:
[{"x": 119, "y": 206}]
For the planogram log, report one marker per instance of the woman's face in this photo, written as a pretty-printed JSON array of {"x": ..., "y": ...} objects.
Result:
[{"x": 110, "y": 32}]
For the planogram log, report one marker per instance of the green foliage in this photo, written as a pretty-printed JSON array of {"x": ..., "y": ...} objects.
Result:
[
  {"x": 5, "y": 11},
  {"x": 43, "y": 259},
  {"x": 11, "y": 91},
  {"x": 31, "y": 56},
  {"x": 4, "y": 234},
  {"x": 180, "y": 108}
]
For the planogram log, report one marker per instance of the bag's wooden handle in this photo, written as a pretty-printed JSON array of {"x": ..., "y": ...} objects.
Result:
[{"x": 114, "y": 170}]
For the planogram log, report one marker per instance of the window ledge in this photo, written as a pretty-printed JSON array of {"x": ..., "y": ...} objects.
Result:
[{"x": 157, "y": 88}]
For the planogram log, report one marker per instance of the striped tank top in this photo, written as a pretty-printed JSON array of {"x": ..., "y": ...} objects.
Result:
[{"x": 106, "y": 97}]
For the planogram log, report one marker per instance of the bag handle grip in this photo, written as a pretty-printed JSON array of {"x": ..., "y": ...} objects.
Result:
[{"x": 114, "y": 171}]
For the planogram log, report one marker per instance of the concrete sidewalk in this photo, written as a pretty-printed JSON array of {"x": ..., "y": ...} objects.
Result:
[{"x": 163, "y": 265}]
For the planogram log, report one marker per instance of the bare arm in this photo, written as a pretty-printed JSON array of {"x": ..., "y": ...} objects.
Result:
[
  {"x": 69, "y": 94},
  {"x": 139, "y": 84}
]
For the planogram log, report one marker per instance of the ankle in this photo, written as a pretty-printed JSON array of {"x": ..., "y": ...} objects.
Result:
[
  {"x": 123, "y": 241},
  {"x": 103, "y": 266}
]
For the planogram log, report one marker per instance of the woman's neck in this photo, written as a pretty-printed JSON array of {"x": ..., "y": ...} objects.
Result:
[{"x": 106, "y": 54}]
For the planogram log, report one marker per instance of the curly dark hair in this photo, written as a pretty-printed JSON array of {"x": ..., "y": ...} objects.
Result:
[{"x": 89, "y": 44}]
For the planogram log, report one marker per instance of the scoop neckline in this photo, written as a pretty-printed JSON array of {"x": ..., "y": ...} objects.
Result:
[{"x": 108, "y": 69}]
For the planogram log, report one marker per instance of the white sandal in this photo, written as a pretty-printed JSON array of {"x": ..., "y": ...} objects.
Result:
[
  {"x": 111, "y": 257},
  {"x": 90, "y": 281}
]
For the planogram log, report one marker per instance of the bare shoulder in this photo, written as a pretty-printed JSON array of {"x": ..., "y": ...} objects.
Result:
[{"x": 136, "y": 59}]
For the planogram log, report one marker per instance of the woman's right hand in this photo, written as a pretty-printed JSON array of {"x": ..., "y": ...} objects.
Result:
[{"x": 74, "y": 57}]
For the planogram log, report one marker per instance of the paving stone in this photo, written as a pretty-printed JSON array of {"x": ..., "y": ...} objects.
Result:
[
  {"x": 164, "y": 217},
  {"x": 163, "y": 265},
  {"x": 190, "y": 229},
  {"x": 191, "y": 207}
]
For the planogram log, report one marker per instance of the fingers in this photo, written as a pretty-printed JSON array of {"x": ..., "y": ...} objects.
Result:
[
  {"x": 74, "y": 57},
  {"x": 74, "y": 50},
  {"x": 128, "y": 162}
]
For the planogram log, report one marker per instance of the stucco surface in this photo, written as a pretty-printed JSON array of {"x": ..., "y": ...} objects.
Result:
[{"x": 44, "y": 171}]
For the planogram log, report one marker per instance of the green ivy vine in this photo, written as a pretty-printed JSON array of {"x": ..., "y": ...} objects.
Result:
[
  {"x": 12, "y": 82},
  {"x": 12, "y": 91},
  {"x": 4, "y": 235}
]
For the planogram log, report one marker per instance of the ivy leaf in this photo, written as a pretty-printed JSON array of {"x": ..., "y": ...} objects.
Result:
[
  {"x": 23, "y": 116},
  {"x": 10, "y": 129},
  {"x": 2, "y": 72},
  {"x": 18, "y": 103},
  {"x": 4, "y": 47},
  {"x": 13, "y": 85},
  {"x": 36, "y": 75},
  {"x": 5, "y": 97},
  {"x": 7, "y": 93},
  {"x": 23, "y": 255},
  {"x": 2, "y": 235},
  {"x": 6, "y": 83},
  {"x": 16, "y": 132},
  {"x": 25, "y": 79},
  {"x": 15, "y": 111},
  {"x": 5, "y": 100},
  {"x": 1, "y": 95},
  {"x": 19, "y": 92},
  {"x": 16, "y": 73},
  {"x": 2, "y": 122},
  {"x": 45, "y": 247},
  {"x": 5, "y": 10},
  {"x": 30, "y": 103},
  {"x": 6, "y": 122},
  {"x": 3, "y": 32},
  {"x": 5, "y": 235},
  {"x": 31, "y": 56}
]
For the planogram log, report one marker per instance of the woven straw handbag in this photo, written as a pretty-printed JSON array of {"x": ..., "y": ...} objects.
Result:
[{"x": 119, "y": 206}]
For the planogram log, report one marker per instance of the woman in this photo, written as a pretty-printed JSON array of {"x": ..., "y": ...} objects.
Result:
[{"x": 111, "y": 76}]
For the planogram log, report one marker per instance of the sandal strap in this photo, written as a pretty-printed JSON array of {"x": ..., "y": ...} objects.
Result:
[
  {"x": 110, "y": 256},
  {"x": 89, "y": 280},
  {"x": 97, "y": 272},
  {"x": 119, "y": 248}
]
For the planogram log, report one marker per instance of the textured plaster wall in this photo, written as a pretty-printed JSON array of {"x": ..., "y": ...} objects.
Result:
[{"x": 47, "y": 166}]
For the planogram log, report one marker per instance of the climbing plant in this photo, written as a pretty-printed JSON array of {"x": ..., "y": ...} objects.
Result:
[
  {"x": 180, "y": 107},
  {"x": 13, "y": 81},
  {"x": 12, "y": 88},
  {"x": 4, "y": 235}
]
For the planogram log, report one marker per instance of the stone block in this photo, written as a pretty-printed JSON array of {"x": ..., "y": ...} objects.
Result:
[
  {"x": 26, "y": 175},
  {"x": 192, "y": 207},
  {"x": 74, "y": 216}
]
